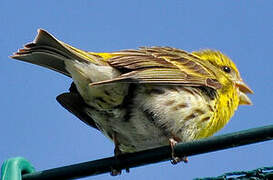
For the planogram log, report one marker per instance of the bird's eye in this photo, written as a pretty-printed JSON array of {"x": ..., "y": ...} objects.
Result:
[{"x": 226, "y": 69}]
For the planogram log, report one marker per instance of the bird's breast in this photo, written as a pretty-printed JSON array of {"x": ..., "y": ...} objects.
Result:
[{"x": 179, "y": 111}]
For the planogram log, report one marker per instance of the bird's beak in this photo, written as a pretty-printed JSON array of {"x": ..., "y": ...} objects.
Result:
[{"x": 243, "y": 90}]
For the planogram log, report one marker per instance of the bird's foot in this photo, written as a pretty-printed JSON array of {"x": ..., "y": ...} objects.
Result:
[
  {"x": 176, "y": 159},
  {"x": 117, "y": 152}
]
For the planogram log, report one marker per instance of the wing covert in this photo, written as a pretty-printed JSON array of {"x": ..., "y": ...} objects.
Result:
[{"x": 161, "y": 65}]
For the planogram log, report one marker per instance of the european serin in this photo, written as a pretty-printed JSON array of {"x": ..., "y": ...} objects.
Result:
[{"x": 147, "y": 97}]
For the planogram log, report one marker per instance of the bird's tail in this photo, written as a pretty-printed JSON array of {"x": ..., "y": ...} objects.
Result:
[{"x": 49, "y": 52}]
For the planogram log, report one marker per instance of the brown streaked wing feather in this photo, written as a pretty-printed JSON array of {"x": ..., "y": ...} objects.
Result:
[
  {"x": 162, "y": 76},
  {"x": 138, "y": 61},
  {"x": 181, "y": 59},
  {"x": 161, "y": 65}
]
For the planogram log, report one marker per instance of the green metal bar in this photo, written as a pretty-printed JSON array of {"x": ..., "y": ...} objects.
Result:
[
  {"x": 155, "y": 155},
  {"x": 12, "y": 169}
]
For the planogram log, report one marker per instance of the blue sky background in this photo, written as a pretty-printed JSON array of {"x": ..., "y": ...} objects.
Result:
[{"x": 35, "y": 126}]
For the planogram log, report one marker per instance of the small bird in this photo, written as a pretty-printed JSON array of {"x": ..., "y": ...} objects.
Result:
[{"x": 144, "y": 98}]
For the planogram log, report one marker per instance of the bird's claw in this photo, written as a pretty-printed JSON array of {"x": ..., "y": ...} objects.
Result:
[
  {"x": 115, "y": 172},
  {"x": 176, "y": 159}
]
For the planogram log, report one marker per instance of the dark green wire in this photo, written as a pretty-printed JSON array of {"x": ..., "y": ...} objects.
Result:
[{"x": 131, "y": 160}]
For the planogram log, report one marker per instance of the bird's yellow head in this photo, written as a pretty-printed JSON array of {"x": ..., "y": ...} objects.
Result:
[{"x": 226, "y": 72}]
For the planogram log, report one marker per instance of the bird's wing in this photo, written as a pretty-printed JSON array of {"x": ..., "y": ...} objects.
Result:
[
  {"x": 161, "y": 65},
  {"x": 74, "y": 103}
]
